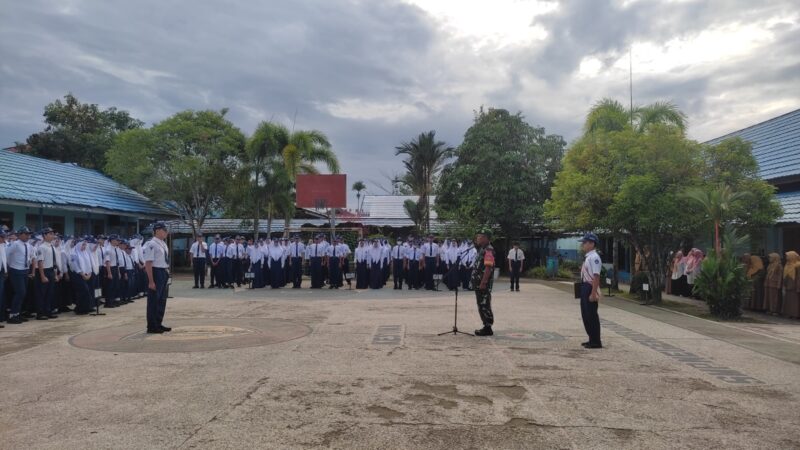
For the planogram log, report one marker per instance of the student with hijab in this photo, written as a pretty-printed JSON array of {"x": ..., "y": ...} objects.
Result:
[
  {"x": 755, "y": 273},
  {"x": 772, "y": 284},
  {"x": 791, "y": 305},
  {"x": 678, "y": 278}
]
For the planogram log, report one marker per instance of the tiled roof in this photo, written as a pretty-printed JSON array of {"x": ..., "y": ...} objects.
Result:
[
  {"x": 26, "y": 178},
  {"x": 391, "y": 206},
  {"x": 776, "y": 145},
  {"x": 790, "y": 201}
]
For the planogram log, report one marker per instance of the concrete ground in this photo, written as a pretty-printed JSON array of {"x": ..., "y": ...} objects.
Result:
[{"x": 365, "y": 369}]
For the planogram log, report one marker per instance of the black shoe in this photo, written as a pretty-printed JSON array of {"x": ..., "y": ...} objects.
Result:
[
  {"x": 194, "y": 287},
  {"x": 584, "y": 344},
  {"x": 111, "y": 305},
  {"x": 153, "y": 331},
  {"x": 41, "y": 317},
  {"x": 23, "y": 319},
  {"x": 163, "y": 328},
  {"x": 16, "y": 319},
  {"x": 64, "y": 309},
  {"x": 81, "y": 313},
  {"x": 2, "y": 326},
  {"x": 52, "y": 316},
  {"x": 485, "y": 331},
  {"x": 594, "y": 346}
]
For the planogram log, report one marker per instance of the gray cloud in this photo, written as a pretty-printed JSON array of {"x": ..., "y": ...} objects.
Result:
[{"x": 374, "y": 73}]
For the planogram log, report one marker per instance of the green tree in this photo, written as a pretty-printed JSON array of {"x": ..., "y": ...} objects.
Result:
[
  {"x": 502, "y": 174},
  {"x": 184, "y": 162},
  {"x": 425, "y": 157},
  {"x": 630, "y": 184},
  {"x": 359, "y": 187},
  {"x": 414, "y": 213},
  {"x": 79, "y": 133},
  {"x": 609, "y": 115}
]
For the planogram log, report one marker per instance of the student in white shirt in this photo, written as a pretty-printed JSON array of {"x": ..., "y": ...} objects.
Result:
[
  {"x": 18, "y": 255},
  {"x": 590, "y": 290},
  {"x": 516, "y": 265},
  {"x": 156, "y": 256},
  {"x": 197, "y": 258}
]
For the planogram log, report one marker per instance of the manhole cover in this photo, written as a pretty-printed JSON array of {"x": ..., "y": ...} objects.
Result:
[
  {"x": 192, "y": 335},
  {"x": 532, "y": 336}
]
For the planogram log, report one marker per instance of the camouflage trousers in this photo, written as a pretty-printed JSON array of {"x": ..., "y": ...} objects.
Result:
[{"x": 484, "y": 298}]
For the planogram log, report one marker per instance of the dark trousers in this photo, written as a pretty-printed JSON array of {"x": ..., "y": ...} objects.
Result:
[
  {"x": 316, "y": 272},
  {"x": 484, "y": 298},
  {"x": 335, "y": 270},
  {"x": 227, "y": 275},
  {"x": 591, "y": 320},
  {"x": 297, "y": 271},
  {"x": 19, "y": 282},
  {"x": 413, "y": 274},
  {"x": 238, "y": 275},
  {"x": 258, "y": 275},
  {"x": 199, "y": 268},
  {"x": 430, "y": 268},
  {"x": 397, "y": 273},
  {"x": 2, "y": 296},
  {"x": 44, "y": 292},
  {"x": 130, "y": 288},
  {"x": 215, "y": 278},
  {"x": 157, "y": 299},
  {"x": 516, "y": 268}
]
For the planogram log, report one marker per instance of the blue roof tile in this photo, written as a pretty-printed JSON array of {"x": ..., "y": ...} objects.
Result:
[
  {"x": 30, "y": 179},
  {"x": 776, "y": 145},
  {"x": 790, "y": 201}
]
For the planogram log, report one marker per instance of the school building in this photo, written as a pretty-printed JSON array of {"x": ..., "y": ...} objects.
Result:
[{"x": 38, "y": 193}]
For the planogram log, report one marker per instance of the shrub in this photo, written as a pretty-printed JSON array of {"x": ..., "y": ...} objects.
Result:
[
  {"x": 564, "y": 273},
  {"x": 722, "y": 282},
  {"x": 537, "y": 272}
]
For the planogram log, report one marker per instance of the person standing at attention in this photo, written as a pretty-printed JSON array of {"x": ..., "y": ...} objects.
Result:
[
  {"x": 197, "y": 258},
  {"x": 156, "y": 257},
  {"x": 590, "y": 290},
  {"x": 516, "y": 263}
]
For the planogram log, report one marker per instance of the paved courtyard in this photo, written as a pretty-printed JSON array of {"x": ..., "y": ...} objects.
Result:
[{"x": 365, "y": 369}]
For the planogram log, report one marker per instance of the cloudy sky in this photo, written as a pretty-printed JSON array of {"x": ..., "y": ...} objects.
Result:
[{"x": 373, "y": 73}]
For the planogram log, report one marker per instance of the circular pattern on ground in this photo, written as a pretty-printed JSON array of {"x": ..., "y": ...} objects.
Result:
[
  {"x": 192, "y": 335},
  {"x": 527, "y": 335}
]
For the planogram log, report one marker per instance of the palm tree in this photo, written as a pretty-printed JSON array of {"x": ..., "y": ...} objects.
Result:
[
  {"x": 610, "y": 115},
  {"x": 425, "y": 158},
  {"x": 414, "y": 213},
  {"x": 716, "y": 203},
  {"x": 358, "y": 186}
]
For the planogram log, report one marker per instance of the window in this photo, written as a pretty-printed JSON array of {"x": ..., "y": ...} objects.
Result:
[
  {"x": 7, "y": 219},
  {"x": 54, "y": 222}
]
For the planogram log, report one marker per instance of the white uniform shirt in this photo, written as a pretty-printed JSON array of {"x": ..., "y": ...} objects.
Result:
[
  {"x": 297, "y": 250},
  {"x": 217, "y": 250},
  {"x": 111, "y": 256},
  {"x": 46, "y": 253},
  {"x": 155, "y": 250},
  {"x": 430, "y": 250},
  {"x": 315, "y": 250},
  {"x": 591, "y": 267},
  {"x": 19, "y": 255},
  {"x": 398, "y": 252},
  {"x": 414, "y": 253},
  {"x": 3, "y": 259},
  {"x": 198, "y": 249},
  {"x": 516, "y": 255}
]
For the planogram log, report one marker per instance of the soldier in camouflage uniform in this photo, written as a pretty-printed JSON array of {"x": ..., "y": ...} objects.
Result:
[{"x": 482, "y": 279}]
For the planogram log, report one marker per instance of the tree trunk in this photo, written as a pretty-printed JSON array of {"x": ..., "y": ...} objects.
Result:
[
  {"x": 716, "y": 236},
  {"x": 269, "y": 222},
  {"x": 615, "y": 262}
]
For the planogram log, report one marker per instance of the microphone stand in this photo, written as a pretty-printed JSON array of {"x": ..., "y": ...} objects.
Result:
[{"x": 455, "y": 330}]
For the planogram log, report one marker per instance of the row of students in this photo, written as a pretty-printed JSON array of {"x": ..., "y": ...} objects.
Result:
[{"x": 44, "y": 274}]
